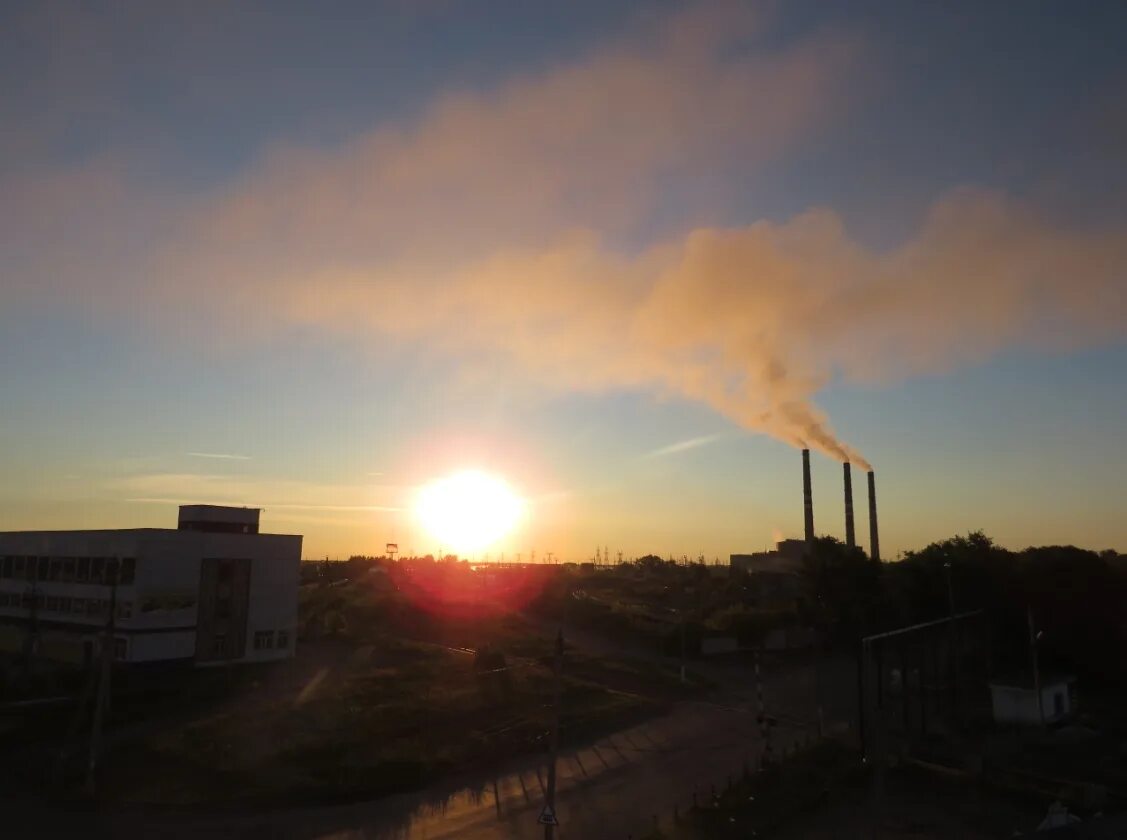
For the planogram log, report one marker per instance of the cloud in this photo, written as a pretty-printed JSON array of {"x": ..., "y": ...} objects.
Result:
[
  {"x": 490, "y": 228},
  {"x": 269, "y": 494},
  {"x": 268, "y": 505},
  {"x": 582, "y": 145},
  {"x": 218, "y": 455},
  {"x": 683, "y": 446}
]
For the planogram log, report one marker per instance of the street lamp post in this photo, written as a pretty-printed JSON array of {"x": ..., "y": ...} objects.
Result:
[
  {"x": 548, "y": 818},
  {"x": 1034, "y": 638},
  {"x": 950, "y": 589}
]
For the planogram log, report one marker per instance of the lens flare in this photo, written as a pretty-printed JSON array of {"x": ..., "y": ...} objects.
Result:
[{"x": 468, "y": 511}]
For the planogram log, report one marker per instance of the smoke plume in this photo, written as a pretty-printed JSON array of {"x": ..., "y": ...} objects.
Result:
[{"x": 490, "y": 228}]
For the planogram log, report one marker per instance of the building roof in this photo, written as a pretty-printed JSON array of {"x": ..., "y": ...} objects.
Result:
[{"x": 133, "y": 531}]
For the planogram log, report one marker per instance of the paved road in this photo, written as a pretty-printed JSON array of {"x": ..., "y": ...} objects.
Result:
[{"x": 614, "y": 788}]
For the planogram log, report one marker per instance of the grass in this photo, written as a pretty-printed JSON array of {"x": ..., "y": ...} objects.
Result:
[
  {"x": 759, "y": 803},
  {"x": 382, "y": 697},
  {"x": 362, "y": 713}
]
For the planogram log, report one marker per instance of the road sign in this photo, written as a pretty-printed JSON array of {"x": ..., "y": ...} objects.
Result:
[{"x": 548, "y": 816}]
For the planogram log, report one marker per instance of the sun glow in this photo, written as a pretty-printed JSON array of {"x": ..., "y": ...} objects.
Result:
[{"x": 468, "y": 511}]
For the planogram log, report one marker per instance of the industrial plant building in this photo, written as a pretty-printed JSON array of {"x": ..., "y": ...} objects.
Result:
[
  {"x": 787, "y": 558},
  {"x": 212, "y": 591}
]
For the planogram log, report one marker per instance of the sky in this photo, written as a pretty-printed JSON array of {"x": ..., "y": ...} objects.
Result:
[{"x": 630, "y": 257}]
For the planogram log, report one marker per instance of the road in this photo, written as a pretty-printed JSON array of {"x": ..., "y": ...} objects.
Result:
[{"x": 616, "y": 787}]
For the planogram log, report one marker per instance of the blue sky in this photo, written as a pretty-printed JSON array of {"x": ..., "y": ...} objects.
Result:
[{"x": 364, "y": 245}]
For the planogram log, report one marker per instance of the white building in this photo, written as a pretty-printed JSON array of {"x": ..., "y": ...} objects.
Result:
[
  {"x": 212, "y": 591},
  {"x": 1015, "y": 701}
]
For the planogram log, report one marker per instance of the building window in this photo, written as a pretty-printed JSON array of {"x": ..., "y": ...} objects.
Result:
[
  {"x": 6, "y": 566},
  {"x": 125, "y": 609},
  {"x": 78, "y": 606},
  {"x": 64, "y": 604},
  {"x": 283, "y": 639},
  {"x": 219, "y": 645},
  {"x": 120, "y": 646},
  {"x": 263, "y": 639},
  {"x": 68, "y": 568},
  {"x": 44, "y": 562},
  {"x": 128, "y": 570},
  {"x": 97, "y": 566},
  {"x": 17, "y": 567},
  {"x": 51, "y": 603},
  {"x": 83, "y": 573}
]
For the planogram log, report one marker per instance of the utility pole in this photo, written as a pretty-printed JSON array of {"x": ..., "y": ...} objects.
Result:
[
  {"x": 548, "y": 817},
  {"x": 682, "y": 645},
  {"x": 950, "y": 590},
  {"x": 764, "y": 724},
  {"x": 952, "y": 647},
  {"x": 1033, "y": 638}
]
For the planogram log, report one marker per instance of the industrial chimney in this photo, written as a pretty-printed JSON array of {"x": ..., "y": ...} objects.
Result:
[
  {"x": 807, "y": 497},
  {"x": 850, "y": 537},
  {"x": 874, "y": 542}
]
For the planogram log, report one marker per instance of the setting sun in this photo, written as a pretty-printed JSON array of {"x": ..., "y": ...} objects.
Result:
[{"x": 468, "y": 511}]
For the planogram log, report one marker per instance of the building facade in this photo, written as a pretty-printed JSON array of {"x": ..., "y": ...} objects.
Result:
[
  {"x": 212, "y": 591},
  {"x": 1015, "y": 701}
]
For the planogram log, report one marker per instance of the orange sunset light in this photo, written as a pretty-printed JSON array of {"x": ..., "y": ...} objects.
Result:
[{"x": 468, "y": 511}]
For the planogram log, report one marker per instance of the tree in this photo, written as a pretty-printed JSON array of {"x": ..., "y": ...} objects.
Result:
[{"x": 843, "y": 589}]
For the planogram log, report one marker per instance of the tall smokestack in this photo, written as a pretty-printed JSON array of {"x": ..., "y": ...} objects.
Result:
[
  {"x": 807, "y": 497},
  {"x": 850, "y": 537},
  {"x": 874, "y": 542}
]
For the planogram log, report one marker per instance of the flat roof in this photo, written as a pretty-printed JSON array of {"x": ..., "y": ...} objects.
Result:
[
  {"x": 139, "y": 531},
  {"x": 219, "y": 507}
]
